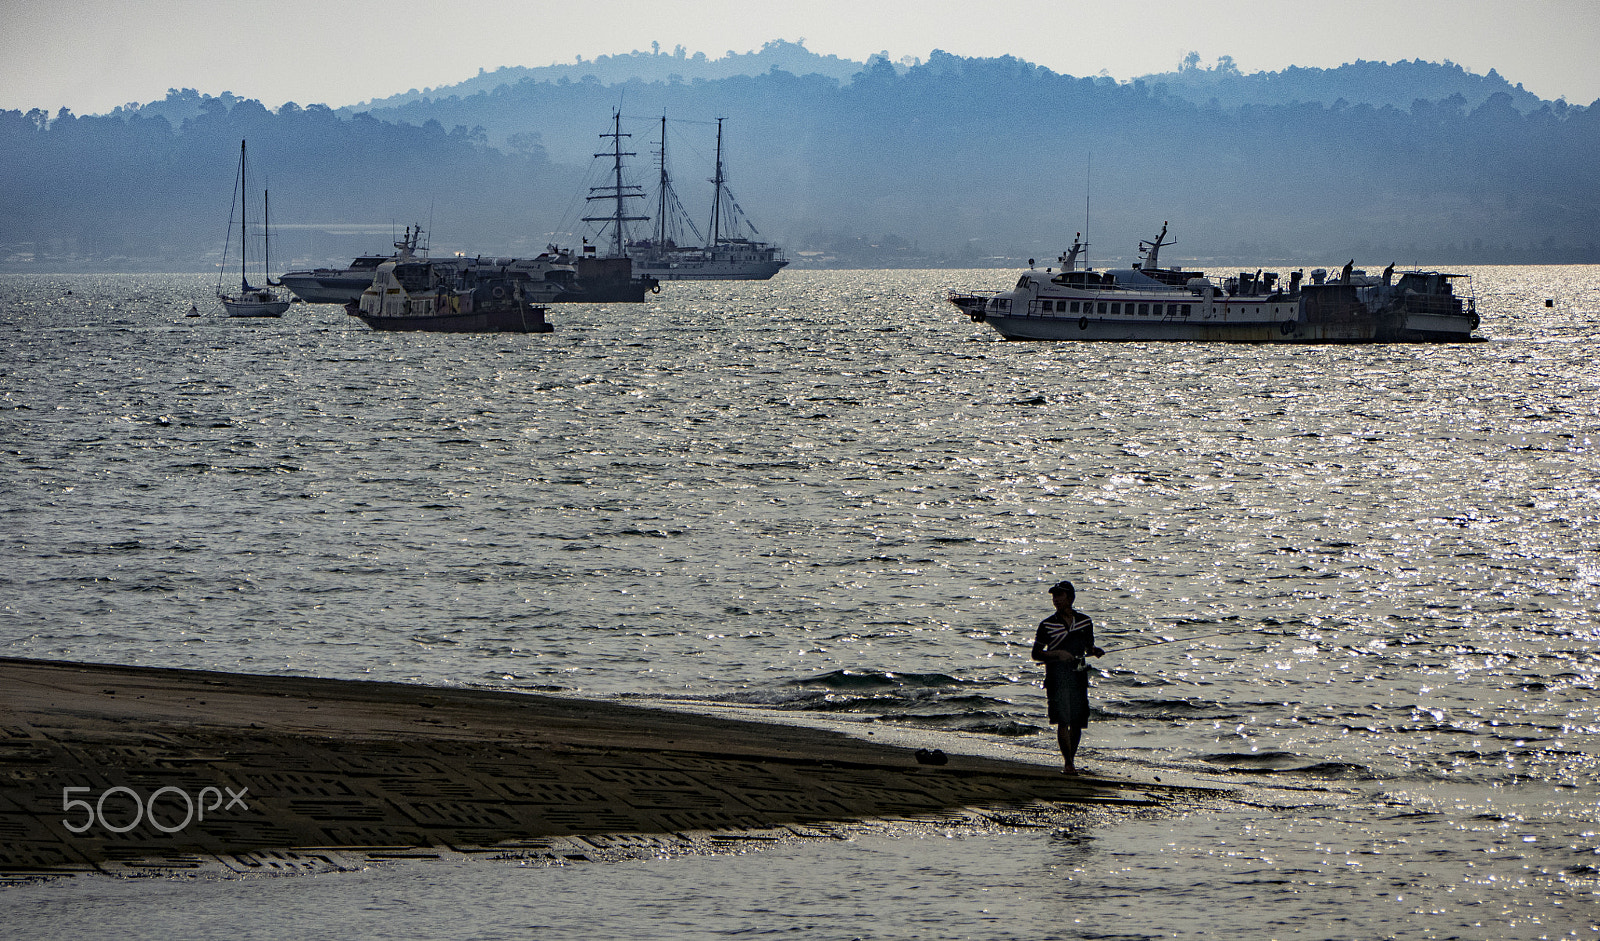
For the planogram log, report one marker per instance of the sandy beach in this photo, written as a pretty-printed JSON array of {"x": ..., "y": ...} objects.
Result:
[{"x": 173, "y": 769}]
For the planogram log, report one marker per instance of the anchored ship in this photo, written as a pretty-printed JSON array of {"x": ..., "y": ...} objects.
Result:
[
  {"x": 1150, "y": 302},
  {"x": 728, "y": 255},
  {"x": 554, "y": 276}
]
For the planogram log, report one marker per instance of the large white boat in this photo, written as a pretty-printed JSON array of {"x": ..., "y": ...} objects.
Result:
[
  {"x": 728, "y": 255},
  {"x": 1149, "y": 302},
  {"x": 249, "y": 300},
  {"x": 343, "y": 285}
]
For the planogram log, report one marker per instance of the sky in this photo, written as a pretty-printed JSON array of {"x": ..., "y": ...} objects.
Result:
[{"x": 93, "y": 55}]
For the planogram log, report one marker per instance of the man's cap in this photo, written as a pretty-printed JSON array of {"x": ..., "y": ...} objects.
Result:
[{"x": 1062, "y": 587}]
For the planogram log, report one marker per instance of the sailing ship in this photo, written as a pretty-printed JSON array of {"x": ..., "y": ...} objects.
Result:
[
  {"x": 1150, "y": 302},
  {"x": 728, "y": 255},
  {"x": 248, "y": 300}
]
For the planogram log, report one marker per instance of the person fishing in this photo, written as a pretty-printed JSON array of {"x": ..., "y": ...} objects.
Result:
[{"x": 1063, "y": 643}]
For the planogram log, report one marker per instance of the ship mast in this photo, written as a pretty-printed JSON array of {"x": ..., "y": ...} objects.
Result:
[
  {"x": 716, "y": 199},
  {"x": 617, "y": 192},
  {"x": 664, "y": 194},
  {"x": 671, "y": 218}
]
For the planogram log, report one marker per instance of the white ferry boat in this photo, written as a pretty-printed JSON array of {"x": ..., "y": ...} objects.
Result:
[{"x": 1149, "y": 302}]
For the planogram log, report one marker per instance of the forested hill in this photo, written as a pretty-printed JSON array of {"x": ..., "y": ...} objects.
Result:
[
  {"x": 1396, "y": 84},
  {"x": 654, "y": 66},
  {"x": 1373, "y": 83},
  {"x": 952, "y": 161}
]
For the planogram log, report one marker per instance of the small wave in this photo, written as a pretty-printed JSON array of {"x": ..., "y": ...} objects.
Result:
[
  {"x": 1170, "y": 708},
  {"x": 981, "y": 724},
  {"x": 1278, "y": 762},
  {"x": 875, "y": 679},
  {"x": 128, "y": 545},
  {"x": 1338, "y": 769}
]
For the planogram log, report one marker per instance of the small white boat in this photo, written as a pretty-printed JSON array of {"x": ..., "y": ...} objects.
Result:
[{"x": 248, "y": 300}]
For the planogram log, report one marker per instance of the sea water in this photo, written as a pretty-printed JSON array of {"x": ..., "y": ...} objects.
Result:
[{"x": 831, "y": 495}]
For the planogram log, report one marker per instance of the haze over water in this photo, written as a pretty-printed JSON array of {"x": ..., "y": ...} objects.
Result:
[{"x": 829, "y": 493}]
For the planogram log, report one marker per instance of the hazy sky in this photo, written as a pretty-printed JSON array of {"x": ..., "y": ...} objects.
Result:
[{"x": 92, "y": 55}]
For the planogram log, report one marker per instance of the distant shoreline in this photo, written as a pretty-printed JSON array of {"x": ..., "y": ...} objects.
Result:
[{"x": 1209, "y": 265}]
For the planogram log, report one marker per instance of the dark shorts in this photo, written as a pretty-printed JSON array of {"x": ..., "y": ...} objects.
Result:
[{"x": 1069, "y": 698}]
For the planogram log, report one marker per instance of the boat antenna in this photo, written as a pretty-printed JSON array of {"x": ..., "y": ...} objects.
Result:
[{"x": 1088, "y": 176}]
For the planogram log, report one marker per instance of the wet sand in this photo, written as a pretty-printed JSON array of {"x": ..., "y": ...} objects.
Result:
[{"x": 178, "y": 769}]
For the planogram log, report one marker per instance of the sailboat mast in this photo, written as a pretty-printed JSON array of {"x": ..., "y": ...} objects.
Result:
[
  {"x": 266, "y": 236},
  {"x": 244, "y": 198}
]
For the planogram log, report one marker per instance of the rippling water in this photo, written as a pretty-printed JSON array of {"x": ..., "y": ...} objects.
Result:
[{"x": 831, "y": 493}]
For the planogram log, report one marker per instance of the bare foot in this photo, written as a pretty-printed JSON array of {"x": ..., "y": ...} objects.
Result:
[{"x": 1069, "y": 769}]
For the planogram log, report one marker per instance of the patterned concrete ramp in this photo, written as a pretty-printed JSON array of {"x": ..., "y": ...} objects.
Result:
[{"x": 118, "y": 769}]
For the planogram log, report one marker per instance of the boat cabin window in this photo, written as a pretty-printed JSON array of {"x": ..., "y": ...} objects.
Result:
[
  {"x": 1144, "y": 309},
  {"x": 1074, "y": 307},
  {"x": 1117, "y": 308},
  {"x": 1102, "y": 307}
]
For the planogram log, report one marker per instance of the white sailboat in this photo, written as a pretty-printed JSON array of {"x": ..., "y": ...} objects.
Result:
[
  {"x": 248, "y": 300},
  {"x": 728, "y": 255}
]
